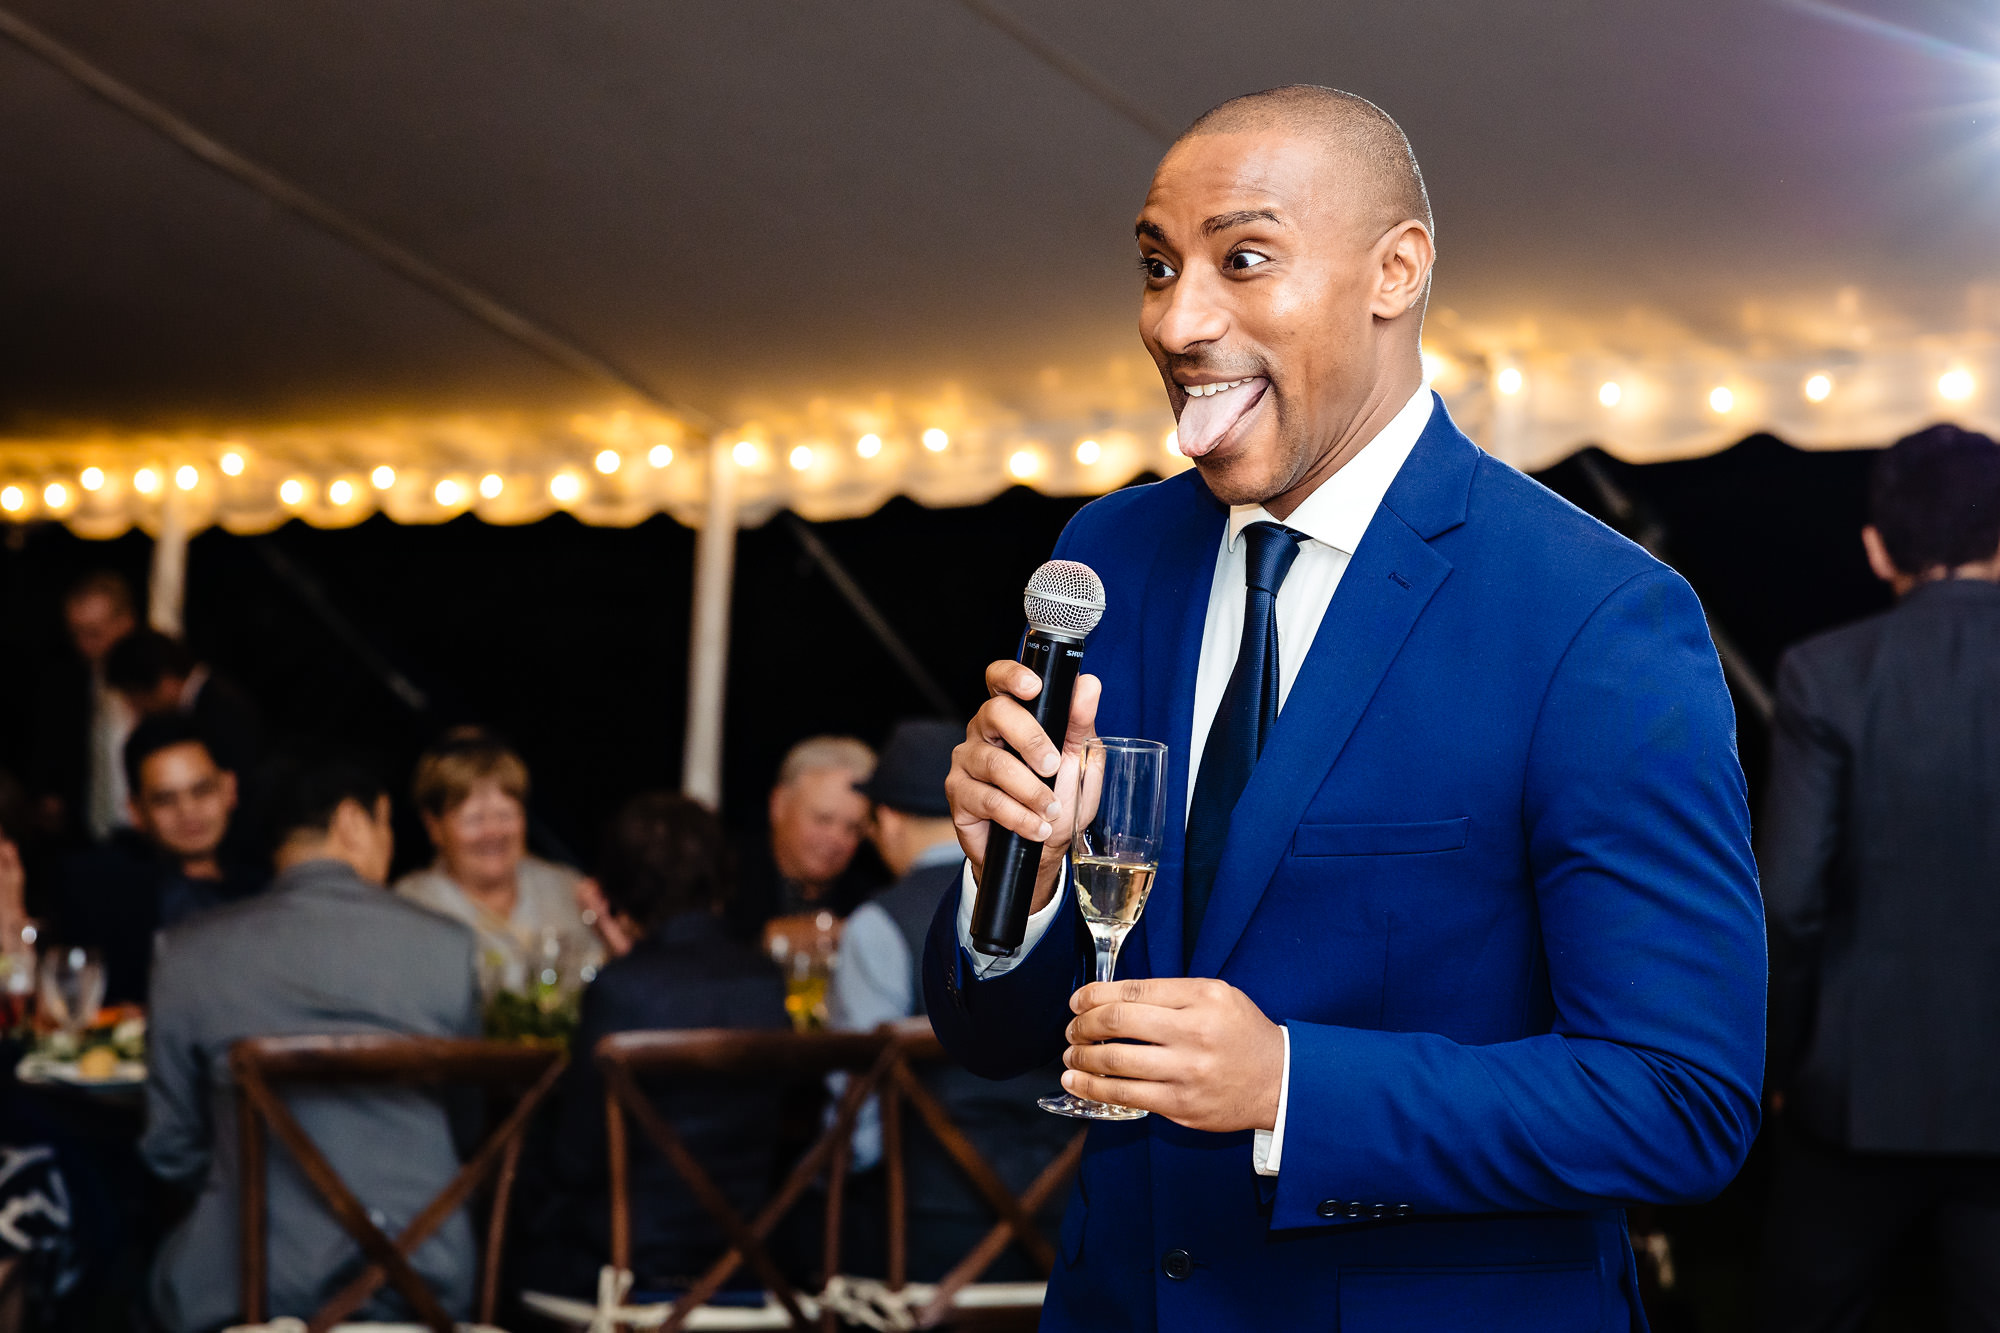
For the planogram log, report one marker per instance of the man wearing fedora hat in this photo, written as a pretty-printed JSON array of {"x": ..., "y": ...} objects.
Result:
[{"x": 876, "y": 980}]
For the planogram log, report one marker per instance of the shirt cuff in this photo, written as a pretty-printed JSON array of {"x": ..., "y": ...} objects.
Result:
[
  {"x": 987, "y": 966},
  {"x": 1268, "y": 1145}
]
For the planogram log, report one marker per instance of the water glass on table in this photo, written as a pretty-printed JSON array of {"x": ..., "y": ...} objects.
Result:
[
  {"x": 1113, "y": 857},
  {"x": 70, "y": 989}
]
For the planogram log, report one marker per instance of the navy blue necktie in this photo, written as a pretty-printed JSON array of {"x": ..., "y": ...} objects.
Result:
[{"x": 1249, "y": 708}]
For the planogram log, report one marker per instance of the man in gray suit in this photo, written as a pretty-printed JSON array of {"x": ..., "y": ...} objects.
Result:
[
  {"x": 1880, "y": 852},
  {"x": 326, "y": 949}
]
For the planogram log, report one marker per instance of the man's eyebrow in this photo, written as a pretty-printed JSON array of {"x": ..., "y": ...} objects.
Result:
[
  {"x": 1152, "y": 229},
  {"x": 1224, "y": 221}
]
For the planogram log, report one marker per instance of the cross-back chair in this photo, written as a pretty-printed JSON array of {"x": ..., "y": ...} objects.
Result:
[{"x": 263, "y": 1065}]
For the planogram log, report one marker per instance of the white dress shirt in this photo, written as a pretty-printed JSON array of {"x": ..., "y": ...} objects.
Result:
[{"x": 1333, "y": 518}]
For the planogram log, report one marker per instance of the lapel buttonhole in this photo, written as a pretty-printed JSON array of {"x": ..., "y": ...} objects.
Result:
[{"x": 1400, "y": 581}]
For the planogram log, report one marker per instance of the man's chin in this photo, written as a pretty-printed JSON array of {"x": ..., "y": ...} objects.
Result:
[{"x": 1242, "y": 474}]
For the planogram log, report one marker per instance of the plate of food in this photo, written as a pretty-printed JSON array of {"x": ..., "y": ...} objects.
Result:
[{"x": 110, "y": 1053}]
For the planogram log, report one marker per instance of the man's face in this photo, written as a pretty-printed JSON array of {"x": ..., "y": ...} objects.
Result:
[
  {"x": 184, "y": 801},
  {"x": 816, "y": 825},
  {"x": 96, "y": 624},
  {"x": 1259, "y": 268}
]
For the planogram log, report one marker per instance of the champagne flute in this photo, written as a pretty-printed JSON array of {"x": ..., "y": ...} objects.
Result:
[{"x": 1121, "y": 817}]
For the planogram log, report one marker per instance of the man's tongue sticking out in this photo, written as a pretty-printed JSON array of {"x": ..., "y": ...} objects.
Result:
[{"x": 1206, "y": 419}]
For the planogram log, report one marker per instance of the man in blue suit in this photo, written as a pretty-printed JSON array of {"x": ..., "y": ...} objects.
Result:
[{"x": 1456, "y": 945}]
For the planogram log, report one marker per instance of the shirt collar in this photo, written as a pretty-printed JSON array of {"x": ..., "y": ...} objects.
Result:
[{"x": 1340, "y": 508}]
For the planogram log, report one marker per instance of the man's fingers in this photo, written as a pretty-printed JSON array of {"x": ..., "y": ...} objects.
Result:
[
  {"x": 973, "y": 800},
  {"x": 1010, "y": 677},
  {"x": 1131, "y": 1022},
  {"x": 1001, "y": 721},
  {"x": 1114, "y": 1060},
  {"x": 1165, "y": 992},
  {"x": 1083, "y": 711},
  {"x": 995, "y": 767},
  {"x": 1159, "y": 1098}
]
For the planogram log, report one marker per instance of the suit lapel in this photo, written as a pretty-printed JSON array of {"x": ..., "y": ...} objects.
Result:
[
  {"x": 1176, "y": 611},
  {"x": 1384, "y": 590}
]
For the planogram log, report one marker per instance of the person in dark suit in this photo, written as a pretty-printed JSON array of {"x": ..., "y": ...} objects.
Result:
[
  {"x": 327, "y": 950},
  {"x": 1455, "y": 946},
  {"x": 664, "y": 873},
  {"x": 173, "y": 863},
  {"x": 80, "y": 723},
  {"x": 877, "y": 979},
  {"x": 1880, "y": 848},
  {"x": 157, "y": 674}
]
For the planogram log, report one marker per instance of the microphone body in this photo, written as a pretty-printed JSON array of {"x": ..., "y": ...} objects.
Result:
[
  {"x": 1007, "y": 889},
  {"x": 1064, "y": 602}
]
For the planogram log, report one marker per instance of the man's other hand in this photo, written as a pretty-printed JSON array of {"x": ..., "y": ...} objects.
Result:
[
  {"x": 989, "y": 784},
  {"x": 1209, "y": 1060}
]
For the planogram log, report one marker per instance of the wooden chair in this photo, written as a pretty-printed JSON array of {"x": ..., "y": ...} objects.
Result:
[{"x": 262, "y": 1064}]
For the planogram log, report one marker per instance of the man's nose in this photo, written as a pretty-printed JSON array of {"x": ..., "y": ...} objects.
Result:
[{"x": 1191, "y": 317}]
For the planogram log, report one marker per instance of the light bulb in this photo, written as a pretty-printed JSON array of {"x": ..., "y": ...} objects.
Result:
[
  {"x": 490, "y": 485},
  {"x": 935, "y": 440},
  {"x": 55, "y": 495},
  {"x": 92, "y": 478},
  {"x": 745, "y": 453},
  {"x": 1172, "y": 443},
  {"x": 448, "y": 492},
  {"x": 12, "y": 498},
  {"x": 1818, "y": 387},
  {"x": 1024, "y": 463},
  {"x": 1088, "y": 452},
  {"x": 607, "y": 461},
  {"x": 565, "y": 486},
  {"x": 231, "y": 464},
  {"x": 383, "y": 477},
  {"x": 293, "y": 492},
  {"x": 1508, "y": 381},
  {"x": 659, "y": 455},
  {"x": 1720, "y": 399},
  {"x": 186, "y": 477},
  {"x": 145, "y": 481},
  {"x": 341, "y": 491},
  {"x": 868, "y": 445},
  {"x": 1956, "y": 385},
  {"x": 801, "y": 458},
  {"x": 1609, "y": 393}
]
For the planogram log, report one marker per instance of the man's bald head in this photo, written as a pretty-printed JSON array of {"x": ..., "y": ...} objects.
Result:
[{"x": 1371, "y": 146}]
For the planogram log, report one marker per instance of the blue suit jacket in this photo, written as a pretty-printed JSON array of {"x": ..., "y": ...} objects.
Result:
[{"x": 1492, "y": 872}]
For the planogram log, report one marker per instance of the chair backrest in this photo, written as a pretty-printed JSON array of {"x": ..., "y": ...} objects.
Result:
[
  {"x": 884, "y": 1061},
  {"x": 261, "y": 1065}
]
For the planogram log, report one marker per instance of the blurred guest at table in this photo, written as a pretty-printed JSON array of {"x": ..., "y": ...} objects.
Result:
[
  {"x": 805, "y": 868},
  {"x": 158, "y": 676},
  {"x": 169, "y": 866},
  {"x": 80, "y": 722},
  {"x": 529, "y": 914},
  {"x": 665, "y": 875},
  {"x": 1880, "y": 851},
  {"x": 877, "y": 980},
  {"x": 326, "y": 950}
]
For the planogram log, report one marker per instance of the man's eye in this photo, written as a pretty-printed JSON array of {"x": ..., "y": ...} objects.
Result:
[
  {"x": 1243, "y": 259},
  {"x": 1156, "y": 269}
]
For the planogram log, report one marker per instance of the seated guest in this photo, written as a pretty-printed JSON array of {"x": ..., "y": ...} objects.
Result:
[
  {"x": 665, "y": 875},
  {"x": 171, "y": 864},
  {"x": 473, "y": 794},
  {"x": 157, "y": 675},
  {"x": 326, "y": 950},
  {"x": 876, "y": 980},
  {"x": 806, "y": 864}
]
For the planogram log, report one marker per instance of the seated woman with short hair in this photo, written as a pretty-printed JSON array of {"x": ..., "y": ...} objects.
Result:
[{"x": 665, "y": 876}]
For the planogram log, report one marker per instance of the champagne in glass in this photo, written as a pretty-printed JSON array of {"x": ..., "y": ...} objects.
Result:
[{"x": 1121, "y": 818}]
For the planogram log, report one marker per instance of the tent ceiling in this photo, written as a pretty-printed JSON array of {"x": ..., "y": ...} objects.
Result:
[{"x": 756, "y": 202}]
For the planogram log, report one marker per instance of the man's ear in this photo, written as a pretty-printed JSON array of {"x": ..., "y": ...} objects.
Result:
[
  {"x": 229, "y": 789},
  {"x": 1879, "y": 561},
  {"x": 1407, "y": 254}
]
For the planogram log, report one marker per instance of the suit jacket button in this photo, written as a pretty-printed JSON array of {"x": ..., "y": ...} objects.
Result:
[
  {"x": 1404, "y": 1210},
  {"x": 1352, "y": 1210},
  {"x": 1177, "y": 1264},
  {"x": 1330, "y": 1208}
]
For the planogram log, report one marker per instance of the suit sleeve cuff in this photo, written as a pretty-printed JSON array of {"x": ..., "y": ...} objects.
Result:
[
  {"x": 1267, "y": 1146},
  {"x": 985, "y": 967}
]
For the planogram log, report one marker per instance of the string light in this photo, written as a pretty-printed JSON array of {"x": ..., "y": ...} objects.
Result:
[
  {"x": 55, "y": 495},
  {"x": 92, "y": 478},
  {"x": 186, "y": 477},
  {"x": 801, "y": 458},
  {"x": 145, "y": 481},
  {"x": 565, "y": 486},
  {"x": 490, "y": 485},
  {"x": 1720, "y": 399},
  {"x": 1088, "y": 452},
  {"x": 1955, "y": 386},
  {"x": 1434, "y": 366},
  {"x": 341, "y": 491},
  {"x": 383, "y": 477},
  {"x": 868, "y": 445},
  {"x": 1508, "y": 381},
  {"x": 1024, "y": 463},
  {"x": 935, "y": 440},
  {"x": 448, "y": 493},
  {"x": 12, "y": 498},
  {"x": 1818, "y": 387},
  {"x": 745, "y": 453},
  {"x": 1609, "y": 392},
  {"x": 231, "y": 464},
  {"x": 607, "y": 461},
  {"x": 1171, "y": 442},
  {"x": 659, "y": 456},
  {"x": 293, "y": 492}
]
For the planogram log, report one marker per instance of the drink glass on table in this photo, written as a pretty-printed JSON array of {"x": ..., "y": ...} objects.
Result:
[
  {"x": 1121, "y": 820},
  {"x": 71, "y": 990}
]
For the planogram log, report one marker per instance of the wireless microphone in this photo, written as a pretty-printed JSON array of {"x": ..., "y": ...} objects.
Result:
[{"x": 1064, "y": 601}]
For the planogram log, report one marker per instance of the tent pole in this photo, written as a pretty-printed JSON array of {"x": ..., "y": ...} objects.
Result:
[
  {"x": 166, "y": 585},
  {"x": 708, "y": 633}
]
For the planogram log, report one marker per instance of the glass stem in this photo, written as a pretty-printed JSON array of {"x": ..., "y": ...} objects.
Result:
[{"x": 1109, "y": 939}]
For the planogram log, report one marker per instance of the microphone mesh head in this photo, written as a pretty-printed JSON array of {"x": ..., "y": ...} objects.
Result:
[{"x": 1064, "y": 598}]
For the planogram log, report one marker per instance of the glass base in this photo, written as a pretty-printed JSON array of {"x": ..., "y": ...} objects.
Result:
[{"x": 1085, "y": 1109}]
